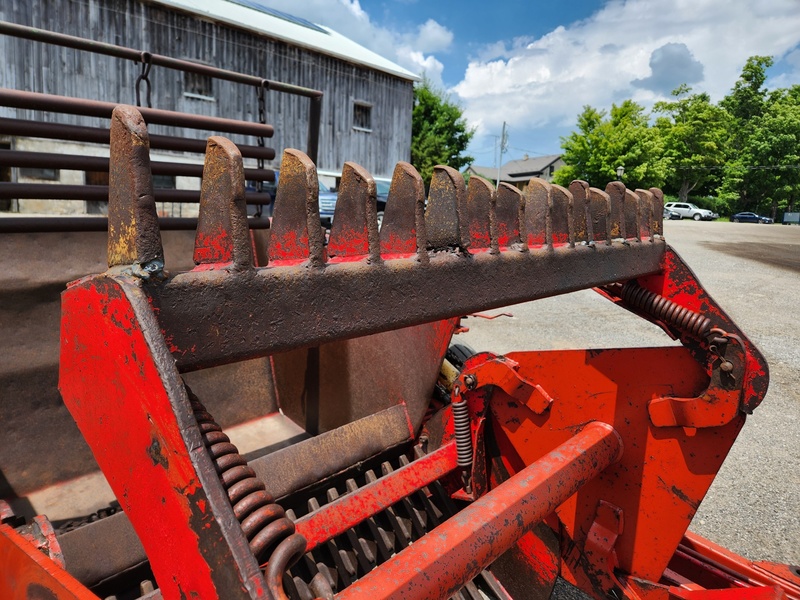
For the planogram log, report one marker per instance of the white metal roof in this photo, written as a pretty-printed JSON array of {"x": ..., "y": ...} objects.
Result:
[{"x": 324, "y": 40}]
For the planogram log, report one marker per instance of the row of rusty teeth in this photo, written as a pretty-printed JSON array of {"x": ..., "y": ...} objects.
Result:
[{"x": 473, "y": 218}]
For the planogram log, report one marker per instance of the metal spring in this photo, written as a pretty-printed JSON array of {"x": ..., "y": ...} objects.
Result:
[
  {"x": 463, "y": 433},
  {"x": 688, "y": 321},
  {"x": 269, "y": 532}
]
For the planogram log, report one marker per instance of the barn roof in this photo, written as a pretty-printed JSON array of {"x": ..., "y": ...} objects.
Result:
[{"x": 253, "y": 15}]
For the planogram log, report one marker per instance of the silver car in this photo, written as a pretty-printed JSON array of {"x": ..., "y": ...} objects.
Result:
[{"x": 690, "y": 211}]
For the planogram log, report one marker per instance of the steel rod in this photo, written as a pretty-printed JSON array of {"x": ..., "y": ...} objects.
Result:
[
  {"x": 440, "y": 563},
  {"x": 48, "y": 191},
  {"x": 77, "y": 43},
  {"x": 100, "y": 135},
  {"x": 52, "y": 160},
  {"x": 67, "y": 224},
  {"x": 95, "y": 108},
  {"x": 348, "y": 511}
]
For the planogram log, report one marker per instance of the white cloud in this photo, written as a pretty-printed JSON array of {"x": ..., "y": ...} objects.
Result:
[
  {"x": 412, "y": 50},
  {"x": 548, "y": 80}
]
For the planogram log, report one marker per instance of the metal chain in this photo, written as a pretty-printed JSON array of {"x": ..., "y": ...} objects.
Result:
[{"x": 144, "y": 76}]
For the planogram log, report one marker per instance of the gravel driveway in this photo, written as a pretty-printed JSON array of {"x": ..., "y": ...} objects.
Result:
[{"x": 753, "y": 272}]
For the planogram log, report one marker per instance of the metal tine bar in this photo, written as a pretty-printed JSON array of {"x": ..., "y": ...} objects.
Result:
[
  {"x": 222, "y": 231},
  {"x": 561, "y": 228},
  {"x": 580, "y": 202},
  {"x": 296, "y": 231},
  {"x": 657, "y": 227},
  {"x": 355, "y": 223},
  {"x": 616, "y": 194},
  {"x": 480, "y": 213},
  {"x": 403, "y": 228},
  {"x": 537, "y": 213},
  {"x": 134, "y": 237},
  {"x": 632, "y": 213},
  {"x": 446, "y": 213},
  {"x": 646, "y": 202},
  {"x": 510, "y": 217},
  {"x": 599, "y": 215}
]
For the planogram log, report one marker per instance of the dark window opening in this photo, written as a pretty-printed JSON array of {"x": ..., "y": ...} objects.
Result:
[
  {"x": 46, "y": 174},
  {"x": 198, "y": 86},
  {"x": 362, "y": 116},
  {"x": 164, "y": 182},
  {"x": 97, "y": 207}
]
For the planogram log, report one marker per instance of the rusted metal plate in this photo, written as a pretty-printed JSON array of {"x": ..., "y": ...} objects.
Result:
[
  {"x": 403, "y": 229},
  {"x": 510, "y": 216},
  {"x": 354, "y": 232},
  {"x": 481, "y": 202},
  {"x": 537, "y": 212},
  {"x": 446, "y": 217}
]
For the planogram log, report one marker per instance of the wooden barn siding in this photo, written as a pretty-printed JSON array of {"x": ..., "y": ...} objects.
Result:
[{"x": 38, "y": 67}]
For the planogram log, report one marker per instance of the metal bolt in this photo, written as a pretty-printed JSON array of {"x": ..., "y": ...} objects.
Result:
[
  {"x": 726, "y": 366},
  {"x": 470, "y": 382}
]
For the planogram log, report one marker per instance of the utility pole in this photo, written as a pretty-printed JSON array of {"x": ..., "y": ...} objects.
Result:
[{"x": 503, "y": 147}]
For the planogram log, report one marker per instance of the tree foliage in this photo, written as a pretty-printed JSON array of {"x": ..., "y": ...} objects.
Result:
[
  {"x": 439, "y": 133},
  {"x": 744, "y": 151},
  {"x": 694, "y": 132},
  {"x": 605, "y": 141}
]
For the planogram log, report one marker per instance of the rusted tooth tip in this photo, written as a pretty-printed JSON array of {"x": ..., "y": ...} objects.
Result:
[
  {"x": 358, "y": 173},
  {"x": 219, "y": 144},
  {"x": 130, "y": 119},
  {"x": 479, "y": 183}
]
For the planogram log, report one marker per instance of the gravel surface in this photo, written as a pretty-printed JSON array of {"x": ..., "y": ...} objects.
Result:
[{"x": 753, "y": 272}]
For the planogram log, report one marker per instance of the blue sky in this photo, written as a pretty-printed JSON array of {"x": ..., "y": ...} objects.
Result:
[{"x": 536, "y": 64}]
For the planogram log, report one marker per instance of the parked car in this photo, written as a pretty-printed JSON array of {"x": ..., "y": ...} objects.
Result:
[
  {"x": 327, "y": 202},
  {"x": 750, "y": 217},
  {"x": 690, "y": 211},
  {"x": 671, "y": 215}
]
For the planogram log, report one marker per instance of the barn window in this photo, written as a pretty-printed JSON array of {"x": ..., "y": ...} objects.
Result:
[
  {"x": 198, "y": 86},
  {"x": 40, "y": 173},
  {"x": 362, "y": 116}
]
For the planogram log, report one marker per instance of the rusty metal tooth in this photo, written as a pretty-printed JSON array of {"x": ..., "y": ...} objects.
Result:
[
  {"x": 134, "y": 237},
  {"x": 222, "y": 232},
  {"x": 646, "y": 203},
  {"x": 354, "y": 231},
  {"x": 631, "y": 213},
  {"x": 657, "y": 227},
  {"x": 480, "y": 213},
  {"x": 403, "y": 228},
  {"x": 599, "y": 216},
  {"x": 510, "y": 215},
  {"x": 580, "y": 195},
  {"x": 296, "y": 233},
  {"x": 616, "y": 195},
  {"x": 561, "y": 229},
  {"x": 446, "y": 213},
  {"x": 537, "y": 212}
]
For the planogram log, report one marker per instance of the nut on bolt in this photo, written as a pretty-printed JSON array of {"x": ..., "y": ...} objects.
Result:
[{"x": 470, "y": 382}]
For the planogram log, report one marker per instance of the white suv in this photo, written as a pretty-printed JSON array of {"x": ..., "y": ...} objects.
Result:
[{"x": 690, "y": 211}]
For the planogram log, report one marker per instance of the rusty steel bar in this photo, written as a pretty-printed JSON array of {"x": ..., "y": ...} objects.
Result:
[
  {"x": 100, "y": 135},
  {"x": 66, "y": 224},
  {"x": 445, "y": 287},
  {"x": 95, "y": 108},
  {"x": 348, "y": 511},
  {"x": 52, "y": 160},
  {"x": 53, "y": 191},
  {"x": 77, "y": 43},
  {"x": 439, "y": 564}
]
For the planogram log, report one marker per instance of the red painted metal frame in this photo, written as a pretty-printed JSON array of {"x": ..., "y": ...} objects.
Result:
[
  {"x": 440, "y": 563},
  {"x": 26, "y": 573},
  {"x": 348, "y": 511}
]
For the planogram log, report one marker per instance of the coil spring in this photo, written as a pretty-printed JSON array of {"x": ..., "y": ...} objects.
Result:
[
  {"x": 688, "y": 321},
  {"x": 463, "y": 433},
  {"x": 269, "y": 532}
]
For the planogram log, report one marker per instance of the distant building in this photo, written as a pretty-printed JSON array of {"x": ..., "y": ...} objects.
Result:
[
  {"x": 366, "y": 108},
  {"x": 519, "y": 172}
]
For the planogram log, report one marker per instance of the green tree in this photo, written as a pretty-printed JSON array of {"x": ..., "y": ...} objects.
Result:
[
  {"x": 439, "y": 132},
  {"x": 605, "y": 141},
  {"x": 742, "y": 185},
  {"x": 695, "y": 132}
]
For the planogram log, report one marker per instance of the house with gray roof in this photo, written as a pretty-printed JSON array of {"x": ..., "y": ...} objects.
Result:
[{"x": 519, "y": 172}]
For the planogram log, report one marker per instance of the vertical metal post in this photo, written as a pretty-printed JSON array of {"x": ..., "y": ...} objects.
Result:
[{"x": 314, "y": 117}]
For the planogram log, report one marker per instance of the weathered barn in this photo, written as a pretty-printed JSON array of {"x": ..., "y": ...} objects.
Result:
[{"x": 366, "y": 104}]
